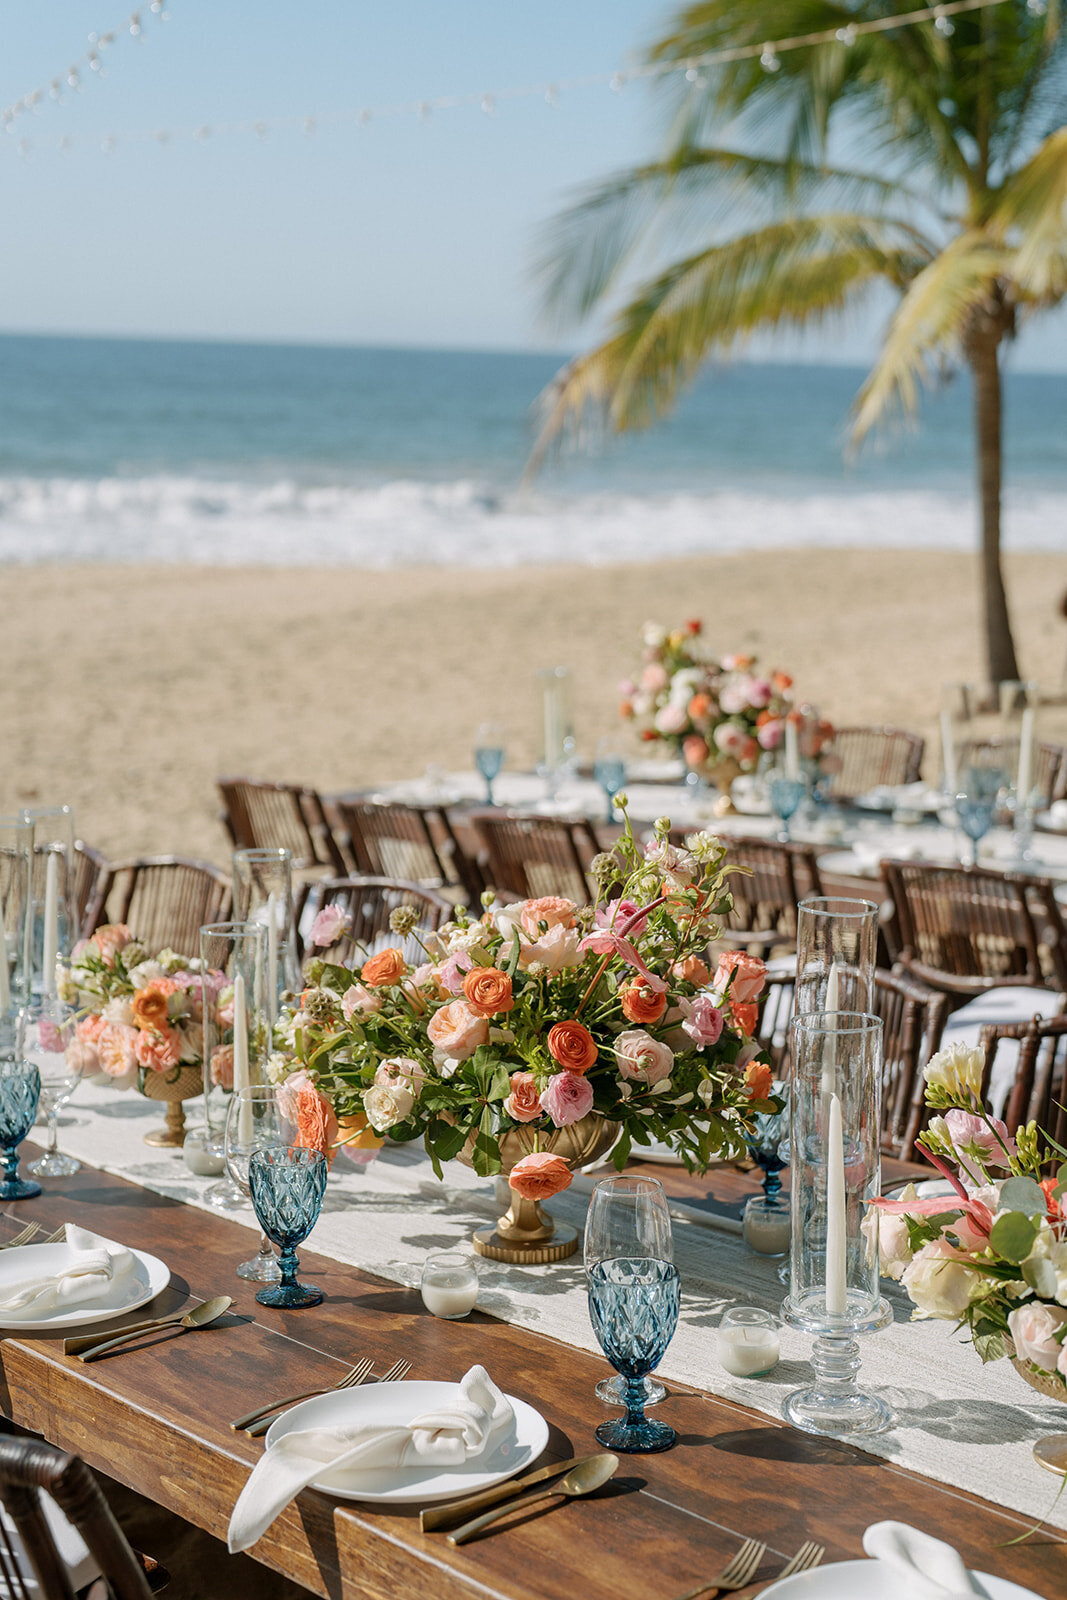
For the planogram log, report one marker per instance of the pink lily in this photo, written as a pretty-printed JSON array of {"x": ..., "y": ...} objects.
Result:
[
  {"x": 606, "y": 942},
  {"x": 976, "y": 1210}
]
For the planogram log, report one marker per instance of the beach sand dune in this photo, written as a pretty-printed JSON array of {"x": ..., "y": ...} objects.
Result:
[{"x": 128, "y": 689}]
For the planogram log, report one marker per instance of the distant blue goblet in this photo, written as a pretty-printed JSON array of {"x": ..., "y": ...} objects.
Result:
[
  {"x": 633, "y": 1306},
  {"x": 20, "y": 1089},
  {"x": 610, "y": 773},
  {"x": 976, "y": 803},
  {"x": 785, "y": 797},
  {"x": 287, "y": 1184}
]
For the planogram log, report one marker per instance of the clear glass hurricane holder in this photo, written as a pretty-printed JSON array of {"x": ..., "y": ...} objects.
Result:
[
  {"x": 51, "y": 920},
  {"x": 235, "y": 1023},
  {"x": 16, "y": 853},
  {"x": 263, "y": 892},
  {"x": 836, "y": 1171},
  {"x": 837, "y": 946}
]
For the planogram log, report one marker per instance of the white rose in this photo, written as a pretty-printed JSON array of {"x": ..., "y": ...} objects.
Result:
[
  {"x": 957, "y": 1069},
  {"x": 386, "y": 1106},
  {"x": 144, "y": 974},
  {"x": 889, "y": 1231},
  {"x": 1033, "y": 1329},
  {"x": 400, "y": 1072},
  {"x": 119, "y": 1010},
  {"x": 653, "y": 635},
  {"x": 939, "y": 1284},
  {"x": 642, "y": 704}
]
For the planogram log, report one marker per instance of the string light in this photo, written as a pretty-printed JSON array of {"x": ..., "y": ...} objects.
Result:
[{"x": 694, "y": 70}]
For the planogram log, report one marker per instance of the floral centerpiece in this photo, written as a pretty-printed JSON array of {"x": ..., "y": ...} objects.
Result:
[
  {"x": 717, "y": 714},
  {"x": 523, "y": 1036},
  {"x": 139, "y": 1017},
  {"x": 992, "y": 1256}
]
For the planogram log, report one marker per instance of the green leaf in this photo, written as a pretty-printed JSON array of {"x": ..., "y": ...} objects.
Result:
[
  {"x": 1040, "y": 1274},
  {"x": 621, "y": 1153},
  {"x": 1013, "y": 1235},
  {"x": 1023, "y": 1194},
  {"x": 446, "y": 1138},
  {"x": 1061, "y": 1182},
  {"x": 486, "y": 1154},
  {"x": 990, "y": 1346}
]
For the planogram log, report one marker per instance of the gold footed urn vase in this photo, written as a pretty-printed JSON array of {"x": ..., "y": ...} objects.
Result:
[
  {"x": 184, "y": 1083},
  {"x": 526, "y": 1233},
  {"x": 1050, "y": 1452}
]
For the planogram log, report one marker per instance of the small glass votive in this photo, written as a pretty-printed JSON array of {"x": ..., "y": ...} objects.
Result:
[
  {"x": 204, "y": 1153},
  {"x": 765, "y": 1225},
  {"x": 747, "y": 1341},
  {"x": 449, "y": 1284}
]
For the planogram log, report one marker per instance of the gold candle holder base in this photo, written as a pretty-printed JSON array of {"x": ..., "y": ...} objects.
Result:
[
  {"x": 563, "y": 1242},
  {"x": 1051, "y": 1453}
]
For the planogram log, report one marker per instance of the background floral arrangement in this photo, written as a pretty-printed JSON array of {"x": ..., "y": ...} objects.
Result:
[
  {"x": 711, "y": 711},
  {"x": 138, "y": 1014},
  {"x": 542, "y": 1013},
  {"x": 993, "y": 1256}
]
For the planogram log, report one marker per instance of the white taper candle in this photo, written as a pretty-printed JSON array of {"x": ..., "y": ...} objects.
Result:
[
  {"x": 792, "y": 750},
  {"x": 51, "y": 925},
  {"x": 240, "y": 1058},
  {"x": 835, "y": 1212},
  {"x": 274, "y": 909},
  {"x": 948, "y": 754},
  {"x": 1024, "y": 781}
]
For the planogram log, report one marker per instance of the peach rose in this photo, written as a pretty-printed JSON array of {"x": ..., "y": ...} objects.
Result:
[
  {"x": 748, "y": 975},
  {"x": 699, "y": 706},
  {"x": 572, "y": 1045},
  {"x": 642, "y": 1058},
  {"x": 555, "y": 950},
  {"x": 83, "y": 1058},
  {"x": 523, "y": 1102},
  {"x": 758, "y": 1080},
  {"x": 88, "y": 1029},
  {"x": 488, "y": 991},
  {"x": 692, "y": 970},
  {"x": 115, "y": 1047},
  {"x": 110, "y": 939},
  {"x": 456, "y": 1031},
  {"x": 641, "y": 1004},
  {"x": 540, "y": 1176},
  {"x": 222, "y": 1066},
  {"x": 745, "y": 1017},
  {"x": 150, "y": 1008},
  {"x": 384, "y": 969},
  {"x": 357, "y": 999},
  {"x": 308, "y": 1107},
  {"x": 158, "y": 1050},
  {"x": 567, "y": 1097},
  {"x": 552, "y": 909}
]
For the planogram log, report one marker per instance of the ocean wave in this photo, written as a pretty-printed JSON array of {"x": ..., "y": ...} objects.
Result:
[{"x": 463, "y": 522}]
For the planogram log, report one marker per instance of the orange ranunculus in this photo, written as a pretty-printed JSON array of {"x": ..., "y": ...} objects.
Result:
[
  {"x": 758, "y": 1080},
  {"x": 384, "y": 969},
  {"x": 699, "y": 706},
  {"x": 694, "y": 750},
  {"x": 743, "y": 663},
  {"x": 745, "y": 1015},
  {"x": 746, "y": 972},
  {"x": 150, "y": 1008},
  {"x": 692, "y": 970},
  {"x": 782, "y": 681},
  {"x": 626, "y": 708},
  {"x": 640, "y": 1003},
  {"x": 765, "y": 717},
  {"x": 488, "y": 991},
  {"x": 572, "y": 1045},
  {"x": 539, "y": 1176}
]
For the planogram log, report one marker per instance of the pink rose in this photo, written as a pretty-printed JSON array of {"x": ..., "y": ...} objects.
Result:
[
  {"x": 567, "y": 1097},
  {"x": 618, "y": 914},
  {"x": 703, "y": 1020},
  {"x": 733, "y": 699},
  {"x": 769, "y": 736},
  {"x": 747, "y": 972},
  {"x": 109, "y": 940},
  {"x": 1033, "y": 1330},
  {"x": 759, "y": 693},
  {"x": 730, "y": 739},
  {"x": 83, "y": 1058},
  {"x": 654, "y": 678},
  {"x": 115, "y": 1045},
  {"x": 358, "y": 999},
  {"x": 400, "y": 1070},
  {"x": 452, "y": 970},
  {"x": 523, "y": 1103},
  {"x": 671, "y": 719},
  {"x": 328, "y": 926},
  {"x": 642, "y": 1058},
  {"x": 456, "y": 1031},
  {"x": 969, "y": 1132},
  {"x": 555, "y": 950},
  {"x": 50, "y": 1037}
]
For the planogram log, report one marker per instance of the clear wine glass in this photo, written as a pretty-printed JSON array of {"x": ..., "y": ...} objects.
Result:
[
  {"x": 489, "y": 755},
  {"x": 628, "y": 1216},
  {"x": 255, "y": 1122},
  {"x": 785, "y": 795},
  {"x": 48, "y": 1032},
  {"x": 609, "y": 770},
  {"x": 976, "y": 803}
]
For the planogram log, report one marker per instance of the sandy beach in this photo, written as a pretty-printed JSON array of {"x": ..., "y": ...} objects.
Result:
[{"x": 130, "y": 688}]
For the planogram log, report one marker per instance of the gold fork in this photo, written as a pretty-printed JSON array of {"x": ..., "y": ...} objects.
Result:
[
  {"x": 809, "y": 1555},
  {"x": 399, "y": 1369},
  {"x": 54, "y": 1238},
  {"x": 353, "y": 1376},
  {"x": 30, "y": 1231},
  {"x": 737, "y": 1574}
]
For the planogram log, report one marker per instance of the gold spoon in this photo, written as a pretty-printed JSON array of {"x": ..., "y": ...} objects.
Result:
[
  {"x": 199, "y": 1317},
  {"x": 590, "y": 1474}
]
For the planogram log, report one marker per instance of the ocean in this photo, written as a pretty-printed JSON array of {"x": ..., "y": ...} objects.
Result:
[{"x": 141, "y": 450}]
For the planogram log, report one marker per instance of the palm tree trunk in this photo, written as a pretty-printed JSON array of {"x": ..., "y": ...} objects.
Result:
[{"x": 982, "y": 352}]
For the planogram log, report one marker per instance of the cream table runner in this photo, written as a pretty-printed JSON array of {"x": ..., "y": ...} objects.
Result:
[{"x": 956, "y": 1422}]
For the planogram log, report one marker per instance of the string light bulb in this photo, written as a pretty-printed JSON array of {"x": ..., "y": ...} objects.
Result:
[
  {"x": 847, "y": 35},
  {"x": 944, "y": 25},
  {"x": 769, "y": 59}
]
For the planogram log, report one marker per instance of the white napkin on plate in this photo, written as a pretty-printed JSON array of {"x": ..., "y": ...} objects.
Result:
[
  {"x": 92, "y": 1267},
  {"x": 925, "y": 1568},
  {"x": 470, "y": 1425}
]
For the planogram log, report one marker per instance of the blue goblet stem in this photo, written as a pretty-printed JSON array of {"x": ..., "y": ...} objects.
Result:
[
  {"x": 634, "y": 1401},
  {"x": 289, "y": 1262}
]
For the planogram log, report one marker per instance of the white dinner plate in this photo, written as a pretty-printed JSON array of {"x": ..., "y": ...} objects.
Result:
[
  {"x": 925, "y": 1189},
  {"x": 663, "y": 1155},
  {"x": 148, "y": 1278},
  {"x": 876, "y": 1580},
  {"x": 394, "y": 1405}
]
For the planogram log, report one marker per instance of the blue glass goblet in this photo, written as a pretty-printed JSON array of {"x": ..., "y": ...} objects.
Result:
[
  {"x": 489, "y": 755},
  {"x": 610, "y": 773},
  {"x": 633, "y": 1306},
  {"x": 20, "y": 1089},
  {"x": 287, "y": 1185},
  {"x": 976, "y": 803},
  {"x": 785, "y": 797}
]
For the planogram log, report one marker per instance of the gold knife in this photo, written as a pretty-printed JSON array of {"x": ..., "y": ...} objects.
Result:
[{"x": 451, "y": 1515}]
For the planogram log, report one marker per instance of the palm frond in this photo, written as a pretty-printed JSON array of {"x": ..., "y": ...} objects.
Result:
[
  {"x": 1031, "y": 213},
  {"x": 931, "y": 319}
]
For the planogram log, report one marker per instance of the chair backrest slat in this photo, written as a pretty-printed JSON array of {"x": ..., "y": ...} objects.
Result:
[
  {"x": 164, "y": 900},
  {"x": 531, "y": 855},
  {"x": 289, "y": 816},
  {"x": 871, "y": 757},
  {"x": 414, "y": 843}
]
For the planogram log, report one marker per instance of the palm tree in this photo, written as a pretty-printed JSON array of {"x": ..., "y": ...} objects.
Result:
[{"x": 957, "y": 199}]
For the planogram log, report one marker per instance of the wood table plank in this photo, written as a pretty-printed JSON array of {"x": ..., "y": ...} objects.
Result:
[{"x": 158, "y": 1419}]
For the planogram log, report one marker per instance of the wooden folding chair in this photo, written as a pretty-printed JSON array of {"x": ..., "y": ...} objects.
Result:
[
  {"x": 533, "y": 855},
  {"x": 872, "y": 757},
  {"x": 163, "y": 900}
]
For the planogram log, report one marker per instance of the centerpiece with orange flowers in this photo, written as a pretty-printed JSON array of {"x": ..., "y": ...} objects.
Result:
[{"x": 538, "y": 1037}]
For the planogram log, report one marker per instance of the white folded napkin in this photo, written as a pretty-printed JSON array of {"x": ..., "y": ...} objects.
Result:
[
  {"x": 925, "y": 1568},
  {"x": 92, "y": 1266},
  {"x": 471, "y": 1425}
]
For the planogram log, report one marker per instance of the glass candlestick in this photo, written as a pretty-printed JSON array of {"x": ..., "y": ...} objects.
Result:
[
  {"x": 837, "y": 945},
  {"x": 263, "y": 892},
  {"x": 836, "y": 1169},
  {"x": 233, "y": 964}
]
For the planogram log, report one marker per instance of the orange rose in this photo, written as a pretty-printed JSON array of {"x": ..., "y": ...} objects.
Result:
[
  {"x": 552, "y": 909},
  {"x": 781, "y": 681},
  {"x": 640, "y": 1003},
  {"x": 523, "y": 1103},
  {"x": 573, "y": 1046},
  {"x": 758, "y": 1080},
  {"x": 158, "y": 1051},
  {"x": 539, "y": 1176},
  {"x": 694, "y": 750},
  {"x": 626, "y": 708},
  {"x": 384, "y": 969},
  {"x": 747, "y": 975},
  {"x": 488, "y": 991},
  {"x": 699, "y": 706},
  {"x": 150, "y": 1009},
  {"x": 692, "y": 970},
  {"x": 745, "y": 1016}
]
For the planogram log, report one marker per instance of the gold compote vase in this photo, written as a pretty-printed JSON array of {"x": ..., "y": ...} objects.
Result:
[
  {"x": 182, "y": 1083},
  {"x": 526, "y": 1233}
]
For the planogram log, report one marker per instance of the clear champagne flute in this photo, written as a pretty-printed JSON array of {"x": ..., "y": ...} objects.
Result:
[
  {"x": 255, "y": 1122},
  {"x": 48, "y": 1032},
  {"x": 647, "y": 1233}
]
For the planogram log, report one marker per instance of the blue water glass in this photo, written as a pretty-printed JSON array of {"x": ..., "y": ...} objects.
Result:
[
  {"x": 287, "y": 1184},
  {"x": 489, "y": 759},
  {"x": 611, "y": 775},
  {"x": 633, "y": 1306},
  {"x": 976, "y": 804},
  {"x": 20, "y": 1090},
  {"x": 785, "y": 796}
]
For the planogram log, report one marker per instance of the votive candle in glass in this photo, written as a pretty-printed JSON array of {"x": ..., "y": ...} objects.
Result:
[
  {"x": 747, "y": 1341},
  {"x": 449, "y": 1284},
  {"x": 766, "y": 1226}
]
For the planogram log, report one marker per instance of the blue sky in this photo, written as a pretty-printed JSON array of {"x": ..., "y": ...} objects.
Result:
[{"x": 402, "y": 232}]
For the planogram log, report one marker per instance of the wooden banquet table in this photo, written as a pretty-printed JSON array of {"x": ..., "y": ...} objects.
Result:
[{"x": 158, "y": 1418}]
